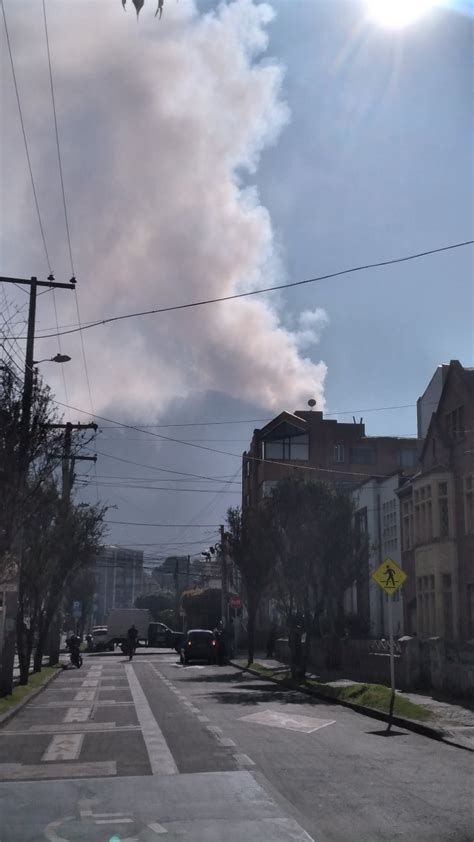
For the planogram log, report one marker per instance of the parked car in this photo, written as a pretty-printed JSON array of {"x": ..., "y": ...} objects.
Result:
[
  {"x": 161, "y": 635},
  {"x": 99, "y": 636},
  {"x": 199, "y": 645}
]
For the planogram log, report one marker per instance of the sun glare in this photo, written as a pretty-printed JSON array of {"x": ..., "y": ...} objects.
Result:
[{"x": 395, "y": 14}]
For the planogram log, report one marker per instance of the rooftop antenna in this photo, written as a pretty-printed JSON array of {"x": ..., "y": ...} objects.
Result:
[{"x": 311, "y": 403}]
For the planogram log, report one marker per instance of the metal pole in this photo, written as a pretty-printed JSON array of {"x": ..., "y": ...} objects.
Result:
[{"x": 392, "y": 660}]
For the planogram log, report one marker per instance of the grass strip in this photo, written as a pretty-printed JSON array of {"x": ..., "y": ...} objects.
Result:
[
  {"x": 20, "y": 692},
  {"x": 375, "y": 696}
]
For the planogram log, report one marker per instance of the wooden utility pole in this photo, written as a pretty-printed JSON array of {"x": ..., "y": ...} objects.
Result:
[
  {"x": 9, "y": 591},
  {"x": 68, "y": 462}
]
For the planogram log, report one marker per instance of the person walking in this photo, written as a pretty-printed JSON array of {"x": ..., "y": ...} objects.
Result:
[{"x": 132, "y": 636}]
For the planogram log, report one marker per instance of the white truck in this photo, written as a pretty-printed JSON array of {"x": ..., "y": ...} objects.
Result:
[{"x": 119, "y": 622}]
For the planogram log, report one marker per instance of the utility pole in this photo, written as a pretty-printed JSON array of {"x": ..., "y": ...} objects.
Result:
[
  {"x": 224, "y": 588},
  {"x": 10, "y": 590},
  {"x": 68, "y": 463}
]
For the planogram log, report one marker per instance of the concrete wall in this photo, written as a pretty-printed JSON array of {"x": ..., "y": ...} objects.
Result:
[{"x": 437, "y": 664}]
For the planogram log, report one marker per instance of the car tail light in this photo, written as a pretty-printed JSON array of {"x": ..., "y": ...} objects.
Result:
[
  {"x": 189, "y": 643},
  {"x": 213, "y": 642}
]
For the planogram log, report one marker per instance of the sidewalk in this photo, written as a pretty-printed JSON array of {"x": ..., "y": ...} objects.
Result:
[{"x": 450, "y": 721}]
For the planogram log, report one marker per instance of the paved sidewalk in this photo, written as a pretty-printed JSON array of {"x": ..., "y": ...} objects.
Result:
[{"x": 454, "y": 719}]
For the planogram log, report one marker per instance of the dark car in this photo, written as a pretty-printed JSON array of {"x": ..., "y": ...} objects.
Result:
[
  {"x": 160, "y": 635},
  {"x": 199, "y": 645}
]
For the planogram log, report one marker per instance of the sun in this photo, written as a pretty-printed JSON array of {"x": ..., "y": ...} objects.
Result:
[{"x": 394, "y": 14}]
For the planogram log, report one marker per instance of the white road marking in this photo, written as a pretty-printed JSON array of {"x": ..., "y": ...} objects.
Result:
[
  {"x": 243, "y": 761},
  {"x": 84, "y": 696},
  {"x": 157, "y": 828},
  {"x": 277, "y": 719},
  {"x": 90, "y": 682},
  {"x": 70, "y": 727},
  {"x": 78, "y": 714},
  {"x": 20, "y": 772},
  {"x": 226, "y": 742},
  {"x": 214, "y": 729},
  {"x": 203, "y": 718},
  {"x": 161, "y": 759},
  {"x": 64, "y": 747},
  {"x": 113, "y": 821}
]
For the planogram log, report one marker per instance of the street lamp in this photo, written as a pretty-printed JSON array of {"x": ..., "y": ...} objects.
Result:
[{"x": 59, "y": 358}]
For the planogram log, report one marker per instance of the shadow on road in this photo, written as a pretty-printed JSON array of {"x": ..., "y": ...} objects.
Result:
[
  {"x": 250, "y": 694},
  {"x": 215, "y": 678}
]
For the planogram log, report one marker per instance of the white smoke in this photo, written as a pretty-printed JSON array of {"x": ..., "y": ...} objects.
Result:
[{"x": 161, "y": 126}]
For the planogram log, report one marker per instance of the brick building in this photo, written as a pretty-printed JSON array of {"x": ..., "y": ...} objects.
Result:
[
  {"x": 331, "y": 451},
  {"x": 437, "y": 517}
]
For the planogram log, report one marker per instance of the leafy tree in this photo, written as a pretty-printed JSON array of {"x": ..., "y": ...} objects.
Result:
[
  {"x": 202, "y": 607},
  {"x": 250, "y": 546},
  {"x": 81, "y": 589},
  {"x": 159, "y": 604},
  {"x": 317, "y": 552}
]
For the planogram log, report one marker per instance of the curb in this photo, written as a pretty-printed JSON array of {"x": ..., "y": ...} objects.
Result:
[
  {"x": 409, "y": 724},
  {"x": 21, "y": 704}
]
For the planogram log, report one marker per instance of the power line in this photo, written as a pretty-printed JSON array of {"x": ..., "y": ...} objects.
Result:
[
  {"x": 26, "y": 142},
  {"x": 66, "y": 219},
  {"x": 207, "y": 301},
  {"x": 170, "y": 525}
]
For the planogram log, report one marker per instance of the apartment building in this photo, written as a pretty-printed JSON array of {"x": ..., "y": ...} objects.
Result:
[
  {"x": 437, "y": 517},
  {"x": 335, "y": 452},
  {"x": 377, "y": 518},
  {"x": 119, "y": 580}
]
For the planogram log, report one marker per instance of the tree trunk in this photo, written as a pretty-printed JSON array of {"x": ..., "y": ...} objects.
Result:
[
  {"x": 22, "y": 648},
  {"x": 38, "y": 656},
  {"x": 252, "y": 609}
]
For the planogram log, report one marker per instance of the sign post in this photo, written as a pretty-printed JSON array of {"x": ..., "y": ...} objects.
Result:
[{"x": 389, "y": 576}]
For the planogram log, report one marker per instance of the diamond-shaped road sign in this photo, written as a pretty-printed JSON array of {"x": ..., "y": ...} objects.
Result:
[{"x": 389, "y": 576}]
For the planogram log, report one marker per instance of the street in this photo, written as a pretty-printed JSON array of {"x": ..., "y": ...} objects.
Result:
[{"x": 128, "y": 752}]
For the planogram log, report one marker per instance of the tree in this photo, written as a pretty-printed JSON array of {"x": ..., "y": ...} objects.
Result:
[
  {"x": 250, "y": 546},
  {"x": 159, "y": 604},
  {"x": 317, "y": 557},
  {"x": 202, "y": 607},
  {"x": 81, "y": 589}
]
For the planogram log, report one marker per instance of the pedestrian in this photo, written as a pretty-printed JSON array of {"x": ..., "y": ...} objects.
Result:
[{"x": 132, "y": 636}]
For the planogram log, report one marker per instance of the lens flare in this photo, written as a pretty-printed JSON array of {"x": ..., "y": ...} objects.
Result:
[{"x": 394, "y": 14}]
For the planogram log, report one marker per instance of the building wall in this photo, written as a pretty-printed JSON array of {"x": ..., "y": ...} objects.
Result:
[
  {"x": 119, "y": 580},
  {"x": 338, "y": 453},
  {"x": 427, "y": 404},
  {"x": 378, "y": 500}
]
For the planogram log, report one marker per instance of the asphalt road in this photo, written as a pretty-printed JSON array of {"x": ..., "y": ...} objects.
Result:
[{"x": 149, "y": 749}]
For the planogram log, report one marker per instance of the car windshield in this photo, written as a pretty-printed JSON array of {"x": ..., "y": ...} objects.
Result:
[{"x": 236, "y": 420}]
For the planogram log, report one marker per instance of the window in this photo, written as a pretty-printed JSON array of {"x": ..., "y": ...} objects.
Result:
[
  {"x": 443, "y": 509},
  {"x": 425, "y": 587},
  {"x": 291, "y": 448},
  {"x": 423, "y": 514},
  {"x": 247, "y": 467},
  {"x": 363, "y": 455},
  {"x": 339, "y": 453},
  {"x": 407, "y": 457},
  {"x": 389, "y": 526},
  {"x": 469, "y": 503},
  {"x": 448, "y": 606}
]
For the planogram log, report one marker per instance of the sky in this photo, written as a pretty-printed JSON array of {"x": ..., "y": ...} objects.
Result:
[{"x": 222, "y": 149}]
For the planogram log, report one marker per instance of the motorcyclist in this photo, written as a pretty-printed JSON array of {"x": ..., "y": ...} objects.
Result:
[{"x": 73, "y": 643}]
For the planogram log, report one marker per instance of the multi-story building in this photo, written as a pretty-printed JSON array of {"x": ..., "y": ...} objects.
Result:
[
  {"x": 377, "y": 518},
  {"x": 119, "y": 580},
  {"x": 331, "y": 451},
  {"x": 437, "y": 517}
]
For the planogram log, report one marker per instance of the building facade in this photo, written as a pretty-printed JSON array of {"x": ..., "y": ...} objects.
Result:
[
  {"x": 119, "y": 580},
  {"x": 338, "y": 453},
  {"x": 377, "y": 518},
  {"x": 437, "y": 517}
]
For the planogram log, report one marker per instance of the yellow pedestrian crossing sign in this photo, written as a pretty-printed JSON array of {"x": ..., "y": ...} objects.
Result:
[{"x": 389, "y": 576}]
